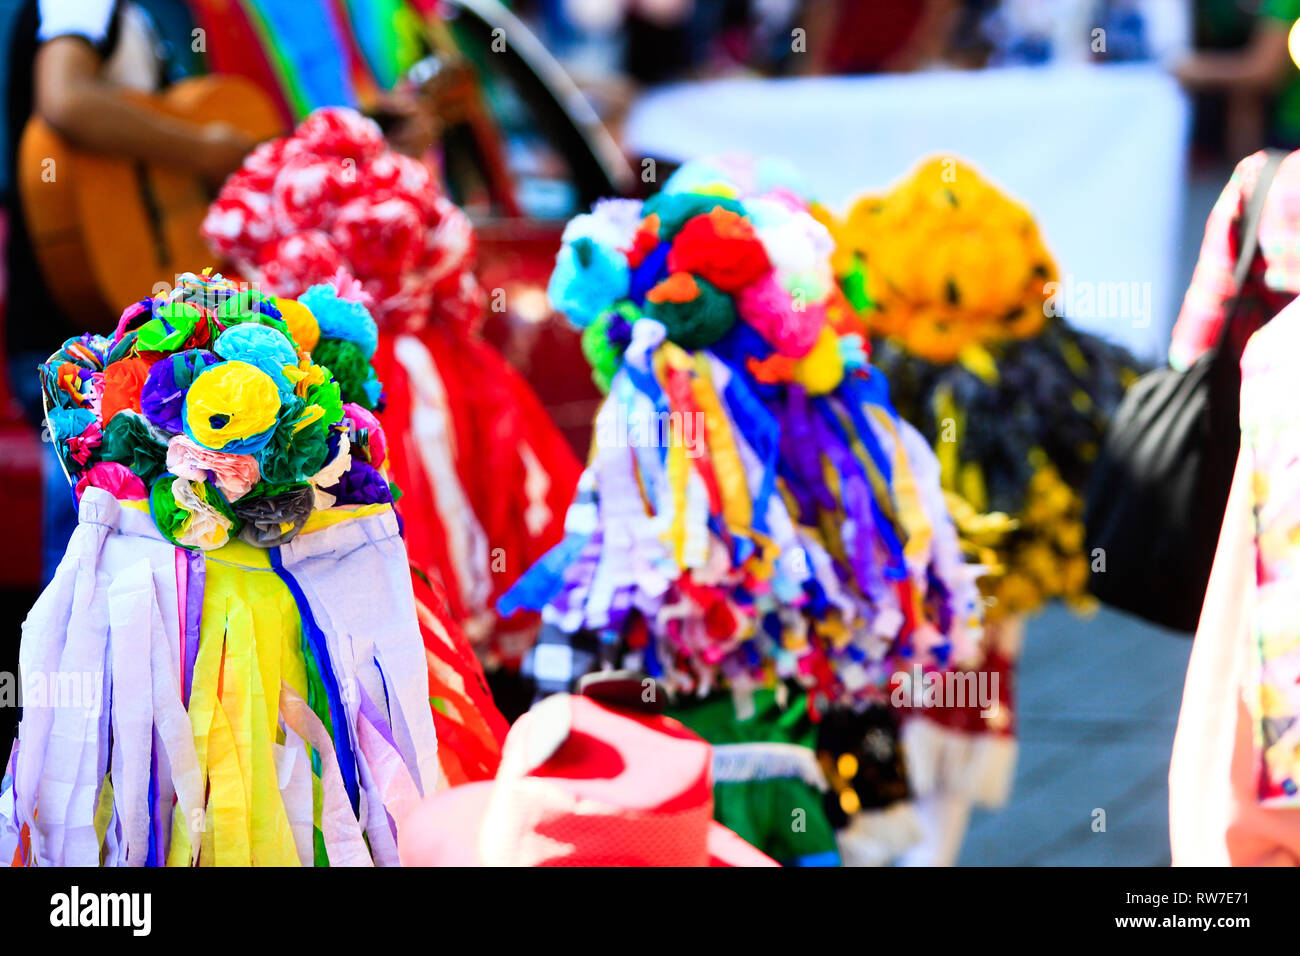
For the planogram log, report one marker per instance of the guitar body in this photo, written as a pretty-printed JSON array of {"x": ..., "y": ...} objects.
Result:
[{"x": 104, "y": 228}]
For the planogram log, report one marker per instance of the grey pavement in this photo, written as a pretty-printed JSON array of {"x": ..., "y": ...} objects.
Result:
[{"x": 1098, "y": 702}]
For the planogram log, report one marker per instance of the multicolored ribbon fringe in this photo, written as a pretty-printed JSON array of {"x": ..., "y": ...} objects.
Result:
[{"x": 754, "y": 509}]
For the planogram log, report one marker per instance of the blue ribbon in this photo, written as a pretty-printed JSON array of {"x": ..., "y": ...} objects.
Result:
[
  {"x": 315, "y": 645},
  {"x": 539, "y": 585}
]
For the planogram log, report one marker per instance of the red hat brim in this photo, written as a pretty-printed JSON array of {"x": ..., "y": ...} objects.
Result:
[{"x": 444, "y": 831}]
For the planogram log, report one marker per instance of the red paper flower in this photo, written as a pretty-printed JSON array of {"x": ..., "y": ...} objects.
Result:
[
  {"x": 239, "y": 222},
  {"x": 264, "y": 162},
  {"x": 720, "y": 247},
  {"x": 393, "y": 174},
  {"x": 341, "y": 132},
  {"x": 644, "y": 241},
  {"x": 379, "y": 238},
  {"x": 123, "y": 381}
]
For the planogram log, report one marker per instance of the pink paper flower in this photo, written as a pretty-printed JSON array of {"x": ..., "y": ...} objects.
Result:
[
  {"x": 81, "y": 446},
  {"x": 115, "y": 478},
  {"x": 234, "y": 475},
  {"x": 347, "y": 286}
]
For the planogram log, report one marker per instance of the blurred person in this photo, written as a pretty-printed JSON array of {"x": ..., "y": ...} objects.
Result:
[
  {"x": 1272, "y": 281},
  {"x": 1233, "y": 777},
  {"x": 1229, "y": 803},
  {"x": 1230, "y": 780},
  {"x": 885, "y": 36},
  {"x": 1032, "y": 32},
  {"x": 68, "y": 63},
  {"x": 1260, "y": 84}
]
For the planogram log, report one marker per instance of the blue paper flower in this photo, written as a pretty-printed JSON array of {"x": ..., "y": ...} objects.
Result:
[
  {"x": 342, "y": 318},
  {"x": 262, "y": 346}
]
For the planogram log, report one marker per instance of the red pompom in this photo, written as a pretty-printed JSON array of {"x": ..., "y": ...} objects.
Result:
[
  {"x": 379, "y": 238},
  {"x": 644, "y": 241},
  {"x": 239, "y": 222},
  {"x": 393, "y": 174},
  {"x": 337, "y": 131},
  {"x": 264, "y": 162},
  {"x": 309, "y": 190},
  {"x": 721, "y": 247}
]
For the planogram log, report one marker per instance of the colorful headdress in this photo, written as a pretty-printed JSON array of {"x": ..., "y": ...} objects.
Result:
[
  {"x": 249, "y": 684},
  {"x": 333, "y": 196},
  {"x": 943, "y": 260},
  {"x": 953, "y": 280},
  {"x": 753, "y": 508},
  {"x": 205, "y": 404}
]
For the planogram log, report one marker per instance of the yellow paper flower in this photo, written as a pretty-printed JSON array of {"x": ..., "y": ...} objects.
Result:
[
  {"x": 230, "y": 405},
  {"x": 303, "y": 327},
  {"x": 822, "y": 369}
]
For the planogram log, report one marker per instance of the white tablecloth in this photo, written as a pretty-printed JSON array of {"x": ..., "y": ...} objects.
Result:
[{"x": 1096, "y": 152}]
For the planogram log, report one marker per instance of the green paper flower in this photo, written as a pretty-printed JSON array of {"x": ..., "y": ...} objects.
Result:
[{"x": 129, "y": 441}]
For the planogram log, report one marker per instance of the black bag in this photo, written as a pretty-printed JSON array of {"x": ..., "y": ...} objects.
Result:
[{"x": 1158, "y": 490}]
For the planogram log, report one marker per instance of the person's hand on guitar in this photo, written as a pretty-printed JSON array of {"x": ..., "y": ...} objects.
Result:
[
  {"x": 135, "y": 174},
  {"x": 94, "y": 115}
]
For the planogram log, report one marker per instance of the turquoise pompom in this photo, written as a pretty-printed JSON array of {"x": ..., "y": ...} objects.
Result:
[
  {"x": 262, "y": 346},
  {"x": 342, "y": 318},
  {"x": 588, "y": 278},
  {"x": 674, "y": 209}
]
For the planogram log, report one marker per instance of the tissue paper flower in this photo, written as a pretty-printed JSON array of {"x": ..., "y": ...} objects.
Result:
[
  {"x": 291, "y": 218},
  {"x": 234, "y": 475}
]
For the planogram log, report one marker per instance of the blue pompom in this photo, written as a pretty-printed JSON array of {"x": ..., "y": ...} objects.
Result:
[
  {"x": 342, "y": 318},
  {"x": 68, "y": 423},
  {"x": 262, "y": 346},
  {"x": 588, "y": 279},
  {"x": 652, "y": 270}
]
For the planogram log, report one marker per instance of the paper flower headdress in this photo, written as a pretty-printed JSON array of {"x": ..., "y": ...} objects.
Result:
[
  {"x": 334, "y": 196},
  {"x": 232, "y": 412},
  {"x": 753, "y": 509}
]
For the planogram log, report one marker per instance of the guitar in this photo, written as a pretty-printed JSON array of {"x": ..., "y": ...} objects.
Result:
[{"x": 104, "y": 228}]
